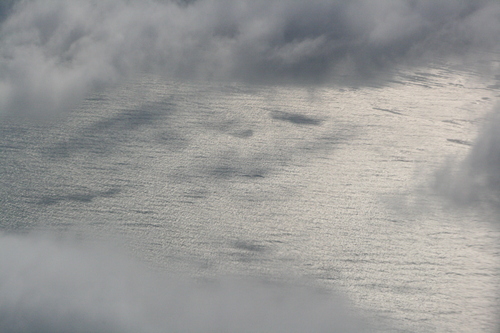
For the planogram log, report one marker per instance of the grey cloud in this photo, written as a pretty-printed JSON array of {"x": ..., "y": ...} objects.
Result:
[
  {"x": 54, "y": 52},
  {"x": 475, "y": 181}
]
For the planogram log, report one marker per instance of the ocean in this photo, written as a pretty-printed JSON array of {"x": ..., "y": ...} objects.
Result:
[{"x": 160, "y": 205}]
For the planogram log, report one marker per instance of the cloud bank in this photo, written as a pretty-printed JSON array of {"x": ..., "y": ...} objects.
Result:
[
  {"x": 54, "y": 52},
  {"x": 53, "y": 286}
]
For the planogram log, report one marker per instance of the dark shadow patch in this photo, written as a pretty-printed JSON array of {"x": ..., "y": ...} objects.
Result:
[
  {"x": 255, "y": 175},
  {"x": 77, "y": 197},
  {"x": 6, "y": 8},
  {"x": 224, "y": 172},
  {"x": 8, "y": 147},
  {"x": 460, "y": 142},
  {"x": 103, "y": 134},
  {"x": 196, "y": 193},
  {"x": 80, "y": 197},
  {"x": 127, "y": 120},
  {"x": 238, "y": 169},
  {"x": 243, "y": 134},
  {"x": 173, "y": 141},
  {"x": 248, "y": 246},
  {"x": 142, "y": 225},
  {"x": 195, "y": 196},
  {"x": 110, "y": 193},
  {"x": 414, "y": 78},
  {"x": 494, "y": 86},
  {"x": 296, "y": 118},
  {"x": 52, "y": 200},
  {"x": 144, "y": 212},
  {"x": 49, "y": 201},
  {"x": 453, "y": 122},
  {"x": 390, "y": 111}
]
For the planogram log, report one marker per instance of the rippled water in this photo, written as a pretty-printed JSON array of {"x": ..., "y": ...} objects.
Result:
[{"x": 327, "y": 186}]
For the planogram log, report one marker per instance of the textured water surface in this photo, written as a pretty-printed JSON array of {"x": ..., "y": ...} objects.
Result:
[{"x": 329, "y": 186}]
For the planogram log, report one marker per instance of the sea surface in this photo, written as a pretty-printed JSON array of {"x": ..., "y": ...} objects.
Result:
[{"x": 322, "y": 189}]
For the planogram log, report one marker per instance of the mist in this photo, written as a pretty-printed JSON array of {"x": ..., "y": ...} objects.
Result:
[
  {"x": 474, "y": 182},
  {"x": 49, "y": 285},
  {"x": 55, "y": 52}
]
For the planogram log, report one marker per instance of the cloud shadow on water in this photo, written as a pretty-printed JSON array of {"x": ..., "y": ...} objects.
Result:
[
  {"x": 103, "y": 135},
  {"x": 296, "y": 118},
  {"x": 77, "y": 197}
]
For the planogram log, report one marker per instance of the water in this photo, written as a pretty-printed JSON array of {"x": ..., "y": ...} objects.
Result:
[{"x": 292, "y": 193}]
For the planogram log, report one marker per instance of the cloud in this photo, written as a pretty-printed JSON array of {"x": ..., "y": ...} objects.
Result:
[
  {"x": 475, "y": 181},
  {"x": 54, "y": 286},
  {"x": 54, "y": 52}
]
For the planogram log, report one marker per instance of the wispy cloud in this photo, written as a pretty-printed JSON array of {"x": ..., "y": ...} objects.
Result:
[{"x": 475, "y": 181}]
